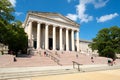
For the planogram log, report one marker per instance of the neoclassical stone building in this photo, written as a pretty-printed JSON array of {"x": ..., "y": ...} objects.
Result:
[
  {"x": 51, "y": 31},
  {"x": 85, "y": 49}
]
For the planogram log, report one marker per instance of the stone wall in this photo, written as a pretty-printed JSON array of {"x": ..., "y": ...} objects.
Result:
[{"x": 85, "y": 49}]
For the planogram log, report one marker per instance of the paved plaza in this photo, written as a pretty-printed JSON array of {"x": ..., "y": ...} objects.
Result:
[
  {"x": 97, "y": 75},
  {"x": 40, "y": 67}
]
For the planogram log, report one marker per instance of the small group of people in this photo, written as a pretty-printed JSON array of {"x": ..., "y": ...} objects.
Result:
[
  {"x": 111, "y": 62},
  {"x": 45, "y": 53}
]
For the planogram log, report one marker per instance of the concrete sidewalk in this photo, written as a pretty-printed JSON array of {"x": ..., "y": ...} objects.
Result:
[
  {"x": 26, "y": 72},
  {"x": 25, "y": 69},
  {"x": 97, "y": 75},
  {"x": 30, "y": 69}
]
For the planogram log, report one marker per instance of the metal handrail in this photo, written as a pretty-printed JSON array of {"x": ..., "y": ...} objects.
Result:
[
  {"x": 54, "y": 58},
  {"x": 78, "y": 65}
]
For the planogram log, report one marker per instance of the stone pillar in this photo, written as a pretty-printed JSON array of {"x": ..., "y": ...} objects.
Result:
[
  {"x": 67, "y": 40},
  {"x": 60, "y": 38},
  {"x": 38, "y": 35},
  {"x": 54, "y": 38},
  {"x": 77, "y": 38},
  {"x": 30, "y": 34},
  {"x": 72, "y": 38},
  {"x": 46, "y": 36}
]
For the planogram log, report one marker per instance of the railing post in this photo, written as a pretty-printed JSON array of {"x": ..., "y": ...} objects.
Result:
[
  {"x": 73, "y": 64},
  {"x": 78, "y": 67},
  {"x": 54, "y": 59}
]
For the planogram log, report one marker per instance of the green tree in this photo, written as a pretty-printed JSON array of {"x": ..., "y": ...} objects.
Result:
[
  {"x": 11, "y": 32},
  {"x": 6, "y": 16},
  {"x": 19, "y": 37},
  {"x": 6, "y": 11},
  {"x": 107, "y": 42}
]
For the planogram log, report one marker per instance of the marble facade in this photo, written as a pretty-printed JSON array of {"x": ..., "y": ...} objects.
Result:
[{"x": 51, "y": 31}]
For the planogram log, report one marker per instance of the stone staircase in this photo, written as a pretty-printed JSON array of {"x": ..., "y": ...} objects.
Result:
[
  {"x": 16, "y": 73},
  {"x": 66, "y": 59},
  {"x": 29, "y": 61},
  {"x": 55, "y": 59},
  {"x": 98, "y": 67},
  {"x": 24, "y": 74},
  {"x": 5, "y": 60}
]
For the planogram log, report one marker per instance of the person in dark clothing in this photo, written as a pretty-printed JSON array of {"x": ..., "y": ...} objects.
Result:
[
  {"x": 92, "y": 59},
  {"x": 2, "y": 52},
  {"x": 14, "y": 59},
  {"x": 76, "y": 55},
  {"x": 45, "y": 53}
]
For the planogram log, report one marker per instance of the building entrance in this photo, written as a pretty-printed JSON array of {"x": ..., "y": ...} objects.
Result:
[
  {"x": 35, "y": 44},
  {"x": 50, "y": 43}
]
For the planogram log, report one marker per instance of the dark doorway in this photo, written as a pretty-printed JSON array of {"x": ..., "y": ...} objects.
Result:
[
  {"x": 50, "y": 43},
  {"x": 35, "y": 44}
]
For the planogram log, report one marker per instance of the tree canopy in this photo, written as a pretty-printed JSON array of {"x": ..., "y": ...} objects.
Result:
[
  {"x": 6, "y": 11},
  {"x": 107, "y": 42},
  {"x": 11, "y": 32}
]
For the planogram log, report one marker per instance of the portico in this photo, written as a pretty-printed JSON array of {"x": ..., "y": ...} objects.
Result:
[{"x": 51, "y": 31}]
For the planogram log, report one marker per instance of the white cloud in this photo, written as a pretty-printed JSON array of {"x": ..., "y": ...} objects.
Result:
[
  {"x": 99, "y": 3},
  {"x": 81, "y": 9},
  {"x": 18, "y": 13},
  {"x": 72, "y": 16},
  {"x": 13, "y": 2},
  {"x": 107, "y": 17}
]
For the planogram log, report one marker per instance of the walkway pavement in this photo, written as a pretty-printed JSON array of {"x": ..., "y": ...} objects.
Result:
[
  {"x": 60, "y": 72},
  {"x": 30, "y": 69},
  {"x": 97, "y": 75}
]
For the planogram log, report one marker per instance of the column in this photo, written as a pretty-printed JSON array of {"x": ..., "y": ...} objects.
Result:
[
  {"x": 30, "y": 34},
  {"x": 73, "y": 45},
  {"x": 60, "y": 38},
  {"x": 38, "y": 35},
  {"x": 67, "y": 40},
  {"x": 77, "y": 40},
  {"x": 54, "y": 38},
  {"x": 46, "y": 36}
]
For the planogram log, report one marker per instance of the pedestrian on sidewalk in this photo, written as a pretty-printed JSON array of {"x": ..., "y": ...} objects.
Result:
[
  {"x": 14, "y": 59},
  {"x": 92, "y": 60},
  {"x": 77, "y": 56},
  {"x": 45, "y": 53},
  {"x": 113, "y": 61}
]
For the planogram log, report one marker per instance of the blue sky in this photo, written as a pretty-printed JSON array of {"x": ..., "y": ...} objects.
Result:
[{"x": 92, "y": 15}]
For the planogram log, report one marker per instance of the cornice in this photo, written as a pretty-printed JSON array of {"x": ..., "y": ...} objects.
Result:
[{"x": 73, "y": 24}]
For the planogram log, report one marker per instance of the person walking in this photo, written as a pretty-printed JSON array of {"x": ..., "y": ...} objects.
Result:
[
  {"x": 14, "y": 59},
  {"x": 92, "y": 59}
]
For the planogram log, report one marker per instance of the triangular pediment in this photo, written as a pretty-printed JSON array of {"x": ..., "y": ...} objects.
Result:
[
  {"x": 58, "y": 18},
  {"x": 55, "y": 16}
]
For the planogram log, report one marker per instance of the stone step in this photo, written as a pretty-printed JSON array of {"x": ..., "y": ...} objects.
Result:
[
  {"x": 35, "y": 73},
  {"x": 99, "y": 68}
]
